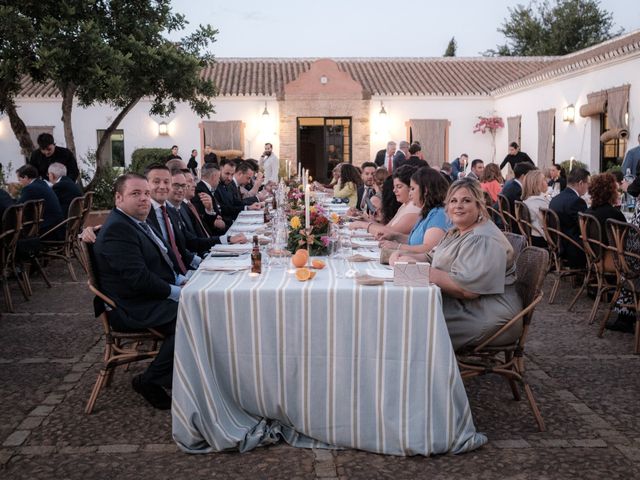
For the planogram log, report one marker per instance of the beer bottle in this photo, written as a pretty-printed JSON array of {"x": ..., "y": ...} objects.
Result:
[{"x": 256, "y": 256}]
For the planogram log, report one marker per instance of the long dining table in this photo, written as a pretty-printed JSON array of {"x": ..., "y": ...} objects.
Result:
[{"x": 322, "y": 363}]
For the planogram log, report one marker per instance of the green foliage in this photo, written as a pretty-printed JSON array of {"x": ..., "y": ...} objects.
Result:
[
  {"x": 451, "y": 48},
  {"x": 103, "y": 196},
  {"x": 4, "y": 174},
  {"x": 560, "y": 28},
  {"x": 142, "y": 157},
  {"x": 575, "y": 163}
]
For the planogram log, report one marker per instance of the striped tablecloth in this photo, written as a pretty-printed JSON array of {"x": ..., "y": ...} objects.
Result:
[{"x": 320, "y": 363}]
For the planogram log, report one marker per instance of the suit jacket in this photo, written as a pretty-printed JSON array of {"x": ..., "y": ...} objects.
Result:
[
  {"x": 380, "y": 157},
  {"x": 52, "y": 215},
  {"x": 181, "y": 241},
  {"x": 5, "y": 201},
  {"x": 209, "y": 220},
  {"x": 415, "y": 162},
  {"x": 132, "y": 271},
  {"x": 567, "y": 204},
  {"x": 66, "y": 190},
  {"x": 513, "y": 191},
  {"x": 60, "y": 155},
  {"x": 398, "y": 159},
  {"x": 236, "y": 194},
  {"x": 193, "y": 241},
  {"x": 360, "y": 194}
]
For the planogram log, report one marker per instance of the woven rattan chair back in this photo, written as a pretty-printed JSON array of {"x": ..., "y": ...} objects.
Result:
[
  {"x": 518, "y": 242},
  {"x": 523, "y": 218},
  {"x": 11, "y": 227},
  {"x": 32, "y": 217},
  {"x": 505, "y": 210}
]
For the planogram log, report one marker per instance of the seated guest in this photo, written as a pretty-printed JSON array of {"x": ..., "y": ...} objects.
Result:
[
  {"x": 376, "y": 200},
  {"x": 474, "y": 265},
  {"x": 477, "y": 169},
  {"x": 603, "y": 190},
  {"x": 48, "y": 152},
  {"x": 558, "y": 179},
  {"x": 34, "y": 188},
  {"x": 228, "y": 194},
  {"x": 335, "y": 178},
  {"x": 255, "y": 186},
  {"x": 428, "y": 191},
  {"x": 135, "y": 272},
  {"x": 347, "y": 186},
  {"x": 534, "y": 196},
  {"x": 405, "y": 217},
  {"x": 567, "y": 204},
  {"x": 446, "y": 170},
  {"x": 491, "y": 181},
  {"x": 165, "y": 222},
  {"x": 243, "y": 177},
  {"x": 204, "y": 197},
  {"x": 197, "y": 239},
  {"x": 367, "y": 189},
  {"x": 513, "y": 188},
  {"x": 5, "y": 201},
  {"x": 416, "y": 157},
  {"x": 64, "y": 188},
  {"x": 458, "y": 166}
]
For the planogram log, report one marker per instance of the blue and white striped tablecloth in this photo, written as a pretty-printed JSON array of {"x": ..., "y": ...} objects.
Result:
[{"x": 319, "y": 363}]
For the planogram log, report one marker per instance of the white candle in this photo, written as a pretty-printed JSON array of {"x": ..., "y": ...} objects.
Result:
[
  {"x": 307, "y": 213},
  {"x": 299, "y": 172}
]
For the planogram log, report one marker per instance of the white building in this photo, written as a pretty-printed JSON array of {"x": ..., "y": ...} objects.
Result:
[{"x": 314, "y": 103}]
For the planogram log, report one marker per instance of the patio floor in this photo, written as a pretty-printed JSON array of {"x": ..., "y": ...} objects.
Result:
[{"x": 50, "y": 349}]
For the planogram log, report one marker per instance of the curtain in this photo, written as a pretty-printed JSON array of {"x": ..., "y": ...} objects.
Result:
[
  {"x": 546, "y": 132},
  {"x": 432, "y": 135},
  {"x": 223, "y": 135},
  {"x": 513, "y": 128},
  {"x": 617, "y": 100},
  {"x": 596, "y": 104}
]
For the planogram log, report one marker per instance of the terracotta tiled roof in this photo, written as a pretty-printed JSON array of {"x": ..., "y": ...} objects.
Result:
[
  {"x": 621, "y": 46},
  {"x": 438, "y": 76}
]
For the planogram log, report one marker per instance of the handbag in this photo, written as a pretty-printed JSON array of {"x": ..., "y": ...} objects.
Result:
[{"x": 411, "y": 274}]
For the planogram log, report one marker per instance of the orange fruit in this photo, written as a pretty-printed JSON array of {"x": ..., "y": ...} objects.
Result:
[
  {"x": 319, "y": 264},
  {"x": 299, "y": 260},
  {"x": 303, "y": 252},
  {"x": 303, "y": 274}
]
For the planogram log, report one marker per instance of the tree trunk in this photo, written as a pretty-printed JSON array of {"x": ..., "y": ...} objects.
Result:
[
  {"x": 103, "y": 163},
  {"x": 68, "y": 92},
  {"x": 19, "y": 129}
]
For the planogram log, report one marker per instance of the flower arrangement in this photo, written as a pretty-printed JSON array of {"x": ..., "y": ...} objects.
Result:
[
  {"x": 490, "y": 124},
  {"x": 317, "y": 238}
]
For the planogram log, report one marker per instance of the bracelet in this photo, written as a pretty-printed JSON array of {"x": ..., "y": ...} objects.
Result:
[{"x": 369, "y": 226}]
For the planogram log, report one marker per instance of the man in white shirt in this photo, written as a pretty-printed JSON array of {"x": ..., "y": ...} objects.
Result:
[{"x": 270, "y": 164}]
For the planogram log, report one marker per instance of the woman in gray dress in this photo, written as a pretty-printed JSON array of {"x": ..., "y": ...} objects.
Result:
[{"x": 474, "y": 266}]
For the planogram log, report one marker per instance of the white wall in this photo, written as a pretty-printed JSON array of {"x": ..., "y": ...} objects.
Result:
[
  {"x": 462, "y": 113},
  {"x": 581, "y": 138}
]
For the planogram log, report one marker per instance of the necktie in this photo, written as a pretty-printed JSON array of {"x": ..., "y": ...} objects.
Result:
[
  {"x": 163, "y": 249},
  {"x": 365, "y": 195},
  {"x": 172, "y": 239},
  {"x": 198, "y": 219}
]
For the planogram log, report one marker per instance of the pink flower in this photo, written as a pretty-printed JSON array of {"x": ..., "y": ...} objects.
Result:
[{"x": 325, "y": 240}]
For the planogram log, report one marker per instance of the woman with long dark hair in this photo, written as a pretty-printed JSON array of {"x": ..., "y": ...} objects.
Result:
[{"x": 347, "y": 186}]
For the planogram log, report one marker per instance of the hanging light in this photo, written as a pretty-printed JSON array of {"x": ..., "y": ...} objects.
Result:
[
  {"x": 265, "y": 113},
  {"x": 382, "y": 112},
  {"x": 163, "y": 128},
  {"x": 569, "y": 114}
]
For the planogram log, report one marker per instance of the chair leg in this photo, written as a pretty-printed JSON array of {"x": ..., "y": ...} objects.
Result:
[
  {"x": 534, "y": 406},
  {"x": 554, "y": 290},
  {"x": 585, "y": 282},
  {"x": 109, "y": 378},
  {"x": 96, "y": 391},
  {"x": 71, "y": 270},
  {"x": 7, "y": 294},
  {"x": 36, "y": 262},
  {"x": 605, "y": 318},
  {"x": 24, "y": 288}
]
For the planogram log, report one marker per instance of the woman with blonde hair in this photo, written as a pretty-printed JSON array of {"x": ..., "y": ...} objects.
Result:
[
  {"x": 491, "y": 181},
  {"x": 534, "y": 196}
]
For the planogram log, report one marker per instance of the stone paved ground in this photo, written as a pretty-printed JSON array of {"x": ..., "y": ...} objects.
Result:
[{"x": 587, "y": 389}]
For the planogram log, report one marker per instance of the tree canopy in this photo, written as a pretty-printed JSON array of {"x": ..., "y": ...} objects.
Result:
[
  {"x": 563, "y": 27},
  {"x": 451, "y": 48}
]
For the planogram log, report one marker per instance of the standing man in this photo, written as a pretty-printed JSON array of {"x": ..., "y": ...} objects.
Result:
[
  {"x": 64, "y": 188},
  {"x": 458, "y": 166},
  {"x": 136, "y": 273},
  {"x": 174, "y": 153},
  {"x": 384, "y": 158},
  {"x": 632, "y": 160},
  {"x": 209, "y": 156},
  {"x": 270, "y": 164},
  {"x": 401, "y": 155},
  {"x": 192, "y": 164},
  {"x": 48, "y": 152},
  {"x": 477, "y": 169},
  {"x": 515, "y": 156}
]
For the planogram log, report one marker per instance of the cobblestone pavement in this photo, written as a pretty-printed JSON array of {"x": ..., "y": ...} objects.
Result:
[{"x": 50, "y": 350}]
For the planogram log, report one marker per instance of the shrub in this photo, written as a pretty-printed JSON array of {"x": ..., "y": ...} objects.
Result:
[
  {"x": 575, "y": 163},
  {"x": 142, "y": 157},
  {"x": 103, "y": 187}
]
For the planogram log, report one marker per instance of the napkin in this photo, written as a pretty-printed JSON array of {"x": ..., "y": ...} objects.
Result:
[
  {"x": 233, "y": 248},
  {"x": 359, "y": 242},
  {"x": 384, "y": 274},
  {"x": 213, "y": 264}
]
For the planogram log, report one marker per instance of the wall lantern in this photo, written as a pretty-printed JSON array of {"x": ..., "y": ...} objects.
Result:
[
  {"x": 163, "y": 128},
  {"x": 383, "y": 112},
  {"x": 569, "y": 114},
  {"x": 265, "y": 113}
]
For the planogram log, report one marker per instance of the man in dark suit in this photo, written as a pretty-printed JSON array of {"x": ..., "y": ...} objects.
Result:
[
  {"x": 416, "y": 158},
  {"x": 401, "y": 155},
  {"x": 366, "y": 191},
  {"x": 134, "y": 270},
  {"x": 567, "y": 204},
  {"x": 513, "y": 188},
  {"x": 48, "y": 152},
  {"x": 64, "y": 188},
  {"x": 384, "y": 158},
  {"x": 228, "y": 191},
  {"x": 196, "y": 237},
  {"x": 5, "y": 201},
  {"x": 204, "y": 201},
  {"x": 164, "y": 221},
  {"x": 34, "y": 188}
]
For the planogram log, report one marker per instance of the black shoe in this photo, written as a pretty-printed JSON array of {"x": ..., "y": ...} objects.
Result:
[
  {"x": 621, "y": 325},
  {"x": 154, "y": 394}
]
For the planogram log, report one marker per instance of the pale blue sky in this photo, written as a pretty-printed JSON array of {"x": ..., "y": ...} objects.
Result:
[{"x": 362, "y": 28}]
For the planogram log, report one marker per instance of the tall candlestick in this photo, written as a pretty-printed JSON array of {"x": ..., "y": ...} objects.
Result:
[
  {"x": 307, "y": 213},
  {"x": 299, "y": 171}
]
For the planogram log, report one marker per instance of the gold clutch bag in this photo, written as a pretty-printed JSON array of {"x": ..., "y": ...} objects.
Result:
[{"x": 411, "y": 274}]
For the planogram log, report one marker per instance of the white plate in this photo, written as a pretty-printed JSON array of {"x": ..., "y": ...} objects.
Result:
[
  {"x": 233, "y": 248},
  {"x": 386, "y": 275}
]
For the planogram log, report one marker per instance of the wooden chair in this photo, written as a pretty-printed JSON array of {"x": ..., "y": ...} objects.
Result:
[
  {"x": 554, "y": 236},
  {"x": 627, "y": 264},
  {"x": 31, "y": 219},
  {"x": 121, "y": 348},
  {"x": 518, "y": 242},
  {"x": 11, "y": 226},
  {"x": 523, "y": 220},
  {"x": 66, "y": 249},
  {"x": 494, "y": 355},
  {"x": 596, "y": 251},
  {"x": 86, "y": 210},
  {"x": 505, "y": 212}
]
